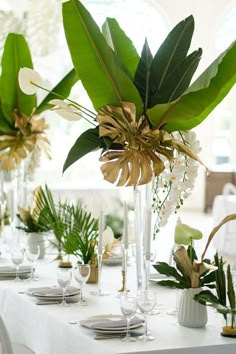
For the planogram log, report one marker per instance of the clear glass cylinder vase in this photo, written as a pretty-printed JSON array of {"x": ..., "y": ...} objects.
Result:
[{"x": 143, "y": 232}]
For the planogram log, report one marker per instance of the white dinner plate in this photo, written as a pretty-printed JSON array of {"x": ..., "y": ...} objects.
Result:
[
  {"x": 110, "y": 324},
  {"x": 11, "y": 270},
  {"x": 52, "y": 293},
  {"x": 112, "y": 261}
]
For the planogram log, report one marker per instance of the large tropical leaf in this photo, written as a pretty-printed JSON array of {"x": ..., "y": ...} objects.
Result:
[
  {"x": 63, "y": 89},
  {"x": 104, "y": 81},
  {"x": 207, "y": 92},
  {"x": 5, "y": 126},
  {"x": 121, "y": 44},
  {"x": 16, "y": 55},
  {"x": 177, "y": 82},
  {"x": 172, "y": 51},
  {"x": 142, "y": 74},
  {"x": 87, "y": 142}
]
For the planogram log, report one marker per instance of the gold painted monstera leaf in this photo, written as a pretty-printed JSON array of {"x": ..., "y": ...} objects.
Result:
[
  {"x": 30, "y": 135},
  {"x": 136, "y": 157}
]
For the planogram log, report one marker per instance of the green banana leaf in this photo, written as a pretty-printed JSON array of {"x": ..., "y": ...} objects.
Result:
[
  {"x": 94, "y": 61},
  {"x": 86, "y": 142},
  {"x": 170, "y": 54},
  {"x": 16, "y": 55},
  {"x": 121, "y": 44},
  {"x": 142, "y": 74},
  {"x": 5, "y": 126},
  {"x": 202, "y": 97},
  {"x": 179, "y": 79},
  {"x": 63, "y": 89}
]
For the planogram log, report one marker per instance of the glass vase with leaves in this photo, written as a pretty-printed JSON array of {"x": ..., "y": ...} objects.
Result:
[{"x": 22, "y": 129}]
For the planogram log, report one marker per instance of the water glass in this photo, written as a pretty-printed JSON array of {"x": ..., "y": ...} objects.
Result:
[
  {"x": 64, "y": 276},
  {"x": 128, "y": 305},
  {"x": 17, "y": 256},
  {"x": 81, "y": 274},
  {"x": 32, "y": 254},
  {"x": 146, "y": 302}
]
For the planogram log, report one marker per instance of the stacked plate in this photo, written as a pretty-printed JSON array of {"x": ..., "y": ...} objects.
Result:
[
  {"x": 9, "y": 272},
  {"x": 113, "y": 261},
  {"x": 54, "y": 294},
  {"x": 111, "y": 324}
]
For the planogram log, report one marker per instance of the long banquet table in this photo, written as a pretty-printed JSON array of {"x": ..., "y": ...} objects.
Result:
[{"x": 47, "y": 330}]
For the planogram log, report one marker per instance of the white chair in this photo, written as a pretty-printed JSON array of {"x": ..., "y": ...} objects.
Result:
[{"x": 6, "y": 347}]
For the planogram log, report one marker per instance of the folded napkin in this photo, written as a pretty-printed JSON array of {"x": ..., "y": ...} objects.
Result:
[{"x": 110, "y": 323}]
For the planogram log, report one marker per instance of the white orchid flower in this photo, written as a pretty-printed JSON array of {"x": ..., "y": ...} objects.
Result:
[
  {"x": 29, "y": 79},
  {"x": 65, "y": 110}
]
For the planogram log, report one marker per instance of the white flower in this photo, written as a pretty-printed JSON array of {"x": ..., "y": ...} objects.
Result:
[
  {"x": 65, "y": 110},
  {"x": 29, "y": 80}
]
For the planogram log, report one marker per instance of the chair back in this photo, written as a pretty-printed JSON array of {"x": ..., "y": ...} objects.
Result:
[{"x": 5, "y": 343}]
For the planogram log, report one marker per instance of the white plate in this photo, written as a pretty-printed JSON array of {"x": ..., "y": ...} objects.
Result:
[
  {"x": 110, "y": 324},
  {"x": 52, "y": 293},
  {"x": 11, "y": 270},
  {"x": 112, "y": 261}
]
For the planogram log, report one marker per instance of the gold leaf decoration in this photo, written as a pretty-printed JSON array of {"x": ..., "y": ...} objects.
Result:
[
  {"x": 30, "y": 134},
  {"x": 136, "y": 157}
]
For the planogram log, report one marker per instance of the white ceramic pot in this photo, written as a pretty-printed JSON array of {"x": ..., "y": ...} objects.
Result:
[
  {"x": 35, "y": 239},
  {"x": 190, "y": 312}
]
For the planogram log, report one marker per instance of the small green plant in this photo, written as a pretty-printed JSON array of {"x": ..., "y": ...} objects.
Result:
[
  {"x": 75, "y": 229},
  {"x": 82, "y": 238},
  {"x": 224, "y": 298},
  {"x": 189, "y": 272},
  {"x": 33, "y": 218}
]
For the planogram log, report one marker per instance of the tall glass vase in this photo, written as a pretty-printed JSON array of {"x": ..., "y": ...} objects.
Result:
[
  {"x": 18, "y": 194},
  {"x": 143, "y": 232}
]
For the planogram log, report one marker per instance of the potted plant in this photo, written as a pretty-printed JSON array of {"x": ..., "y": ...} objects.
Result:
[
  {"x": 189, "y": 274},
  {"x": 33, "y": 225},
  {"x": 81, "y": 240},
  {"x": 223, "y": 300}
]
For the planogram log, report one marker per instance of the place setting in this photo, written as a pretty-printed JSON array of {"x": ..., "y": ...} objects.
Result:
[{"x": 54, "y": 295}]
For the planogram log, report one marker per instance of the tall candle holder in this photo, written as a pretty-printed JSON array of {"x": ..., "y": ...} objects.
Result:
[
  {"x": 99, "y": 291},
  {"x": 124, "y": 268}
]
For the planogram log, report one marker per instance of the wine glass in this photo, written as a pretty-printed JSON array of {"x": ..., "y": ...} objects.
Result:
[
  {"x": 128, "y": 305},
  {"x": 32, "y": 254},
  {"x": 64, "y": 276},
  {"x": 146, "y": 302},
  {"x": 17, "y": 256},
  {"x": 81, "y": 274}
]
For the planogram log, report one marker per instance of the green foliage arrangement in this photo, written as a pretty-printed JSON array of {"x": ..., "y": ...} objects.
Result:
[
  {"x": 223, "y": 300},
  {"x": 75, "y": 229},
  {"x": 21, "y": 130},
  {"x": 140, "y": 100},
  {"x": 188, "y": 271}
]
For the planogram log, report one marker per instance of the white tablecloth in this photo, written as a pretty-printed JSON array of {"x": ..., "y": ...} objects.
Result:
[{"x": 46, "y": 329}]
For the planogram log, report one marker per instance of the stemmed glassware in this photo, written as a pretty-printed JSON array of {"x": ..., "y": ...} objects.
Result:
[
  {"x": 32, "y": 254},
  {"x": 128, "y": 305},
  {"x": 17, "y": 256},
  {"x": 146, "y": 300},
  {"x": 81, "y": 274},
  {"x": 64, "y": 276}
]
